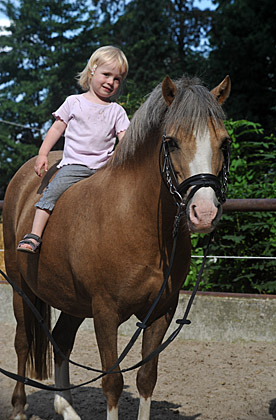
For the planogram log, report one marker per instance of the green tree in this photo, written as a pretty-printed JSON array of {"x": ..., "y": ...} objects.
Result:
[
  {"x": 109, "y": 10},
  {"x": 242, "y": 42},
  {"x": 188, "y": 28},
  {"x": 159, "y": 37},
  {"x": 47, "y": 44},
  {"x": 142, "y": 32}
]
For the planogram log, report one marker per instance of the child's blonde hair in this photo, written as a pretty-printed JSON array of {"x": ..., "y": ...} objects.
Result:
[{"x": 101, "y": 56}]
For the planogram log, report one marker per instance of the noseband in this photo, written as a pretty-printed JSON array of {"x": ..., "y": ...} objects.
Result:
[{"x": 195, "y": 182}]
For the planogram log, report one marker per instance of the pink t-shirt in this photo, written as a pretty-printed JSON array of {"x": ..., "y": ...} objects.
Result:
[{"x": 91, "y": 130}]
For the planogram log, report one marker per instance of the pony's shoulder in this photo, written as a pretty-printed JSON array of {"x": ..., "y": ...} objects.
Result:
[{"x": 55, "y": 157}]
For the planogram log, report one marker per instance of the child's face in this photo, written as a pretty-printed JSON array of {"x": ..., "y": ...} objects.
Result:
[{"x": 106, "y": 80}]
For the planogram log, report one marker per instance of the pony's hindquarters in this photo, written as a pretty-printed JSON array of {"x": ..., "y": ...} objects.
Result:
[{"x": 31, "y": 344}]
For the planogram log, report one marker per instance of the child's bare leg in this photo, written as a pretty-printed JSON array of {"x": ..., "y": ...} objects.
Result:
[{"x": 40, "y": 220}]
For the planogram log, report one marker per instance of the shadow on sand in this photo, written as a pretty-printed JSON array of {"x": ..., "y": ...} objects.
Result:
[
  {"x": 90, "y": 404},
  {"x": 272, "y": 408}
]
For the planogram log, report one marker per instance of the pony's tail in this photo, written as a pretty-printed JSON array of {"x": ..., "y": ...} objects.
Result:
[{"x": 39, "y": 363}]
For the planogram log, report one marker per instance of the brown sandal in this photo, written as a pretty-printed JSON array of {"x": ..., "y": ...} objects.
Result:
[{"x": 26, "y": 240}]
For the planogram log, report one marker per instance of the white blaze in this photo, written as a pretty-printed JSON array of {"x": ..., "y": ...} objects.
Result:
[
  {"x": 203, "y": 156},
  {"x": 202, "y": 162},
  {"x": 202, "y": 209}
]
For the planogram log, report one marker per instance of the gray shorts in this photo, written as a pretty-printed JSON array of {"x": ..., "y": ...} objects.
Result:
[{"x": 66, "y": 176}]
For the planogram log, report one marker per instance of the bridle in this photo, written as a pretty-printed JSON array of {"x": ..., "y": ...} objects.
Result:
[{"x": 195, "y": 182}]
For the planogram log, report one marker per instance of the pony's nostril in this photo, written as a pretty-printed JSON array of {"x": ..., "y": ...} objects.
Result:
[
  {"x": 194, "y": 211},
  {"x": 194, "y": 216}
]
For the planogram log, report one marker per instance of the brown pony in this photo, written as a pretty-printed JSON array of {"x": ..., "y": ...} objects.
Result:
[{"x": 109, "y": 240}]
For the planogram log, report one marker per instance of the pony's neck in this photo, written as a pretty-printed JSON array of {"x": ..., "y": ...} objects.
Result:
[{"x": 134, "y": 150}]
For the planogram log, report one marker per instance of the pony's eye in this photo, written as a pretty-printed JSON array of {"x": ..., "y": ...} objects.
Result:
[
  {"x": 226, "y": 143},
  {"x": 173, "y": 144}
]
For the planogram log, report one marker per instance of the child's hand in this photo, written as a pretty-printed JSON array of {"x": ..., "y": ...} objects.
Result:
[{"x": 41, "y": 162}]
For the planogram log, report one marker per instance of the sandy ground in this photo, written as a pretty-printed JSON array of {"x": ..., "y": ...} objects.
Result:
[{"x": 197, "y": 380}]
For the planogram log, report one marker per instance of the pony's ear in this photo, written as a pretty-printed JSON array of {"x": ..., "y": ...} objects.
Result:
[
  {"x": 222, "y": 91},
  {"x": 169, "y": 90}
]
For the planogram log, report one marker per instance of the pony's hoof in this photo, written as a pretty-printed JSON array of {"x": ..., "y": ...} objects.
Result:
[
  {"x": 65, "y": 409},
  {"x": 18, "y": 416}
]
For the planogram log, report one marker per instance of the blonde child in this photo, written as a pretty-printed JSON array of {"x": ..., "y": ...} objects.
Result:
[{"x": 91, "y": 123}]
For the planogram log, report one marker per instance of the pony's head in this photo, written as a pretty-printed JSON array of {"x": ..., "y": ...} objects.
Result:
[
  {"x": 192, "y": 119},
  {"x": 196, "y": 143}
]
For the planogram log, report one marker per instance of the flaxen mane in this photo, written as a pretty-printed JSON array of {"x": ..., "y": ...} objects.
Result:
[{"x": 190, "y": 110}]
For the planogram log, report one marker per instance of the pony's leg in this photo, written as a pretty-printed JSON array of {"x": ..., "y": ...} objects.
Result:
[
  {"x": 64, "y": 335},
  {"x": 30, "y": 346},
  {"x": 147, "y": 374},
  {"x": 106, "y": 326},
  {"x": 21, "y": 344}
]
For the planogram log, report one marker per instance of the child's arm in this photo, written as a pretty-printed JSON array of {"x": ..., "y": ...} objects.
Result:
[
  {"x": 52, "y": 136},
  {"x": 121, "y": 135}
]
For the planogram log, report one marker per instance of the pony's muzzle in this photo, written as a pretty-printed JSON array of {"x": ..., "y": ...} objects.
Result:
[{"x": 203, "y": 211}]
